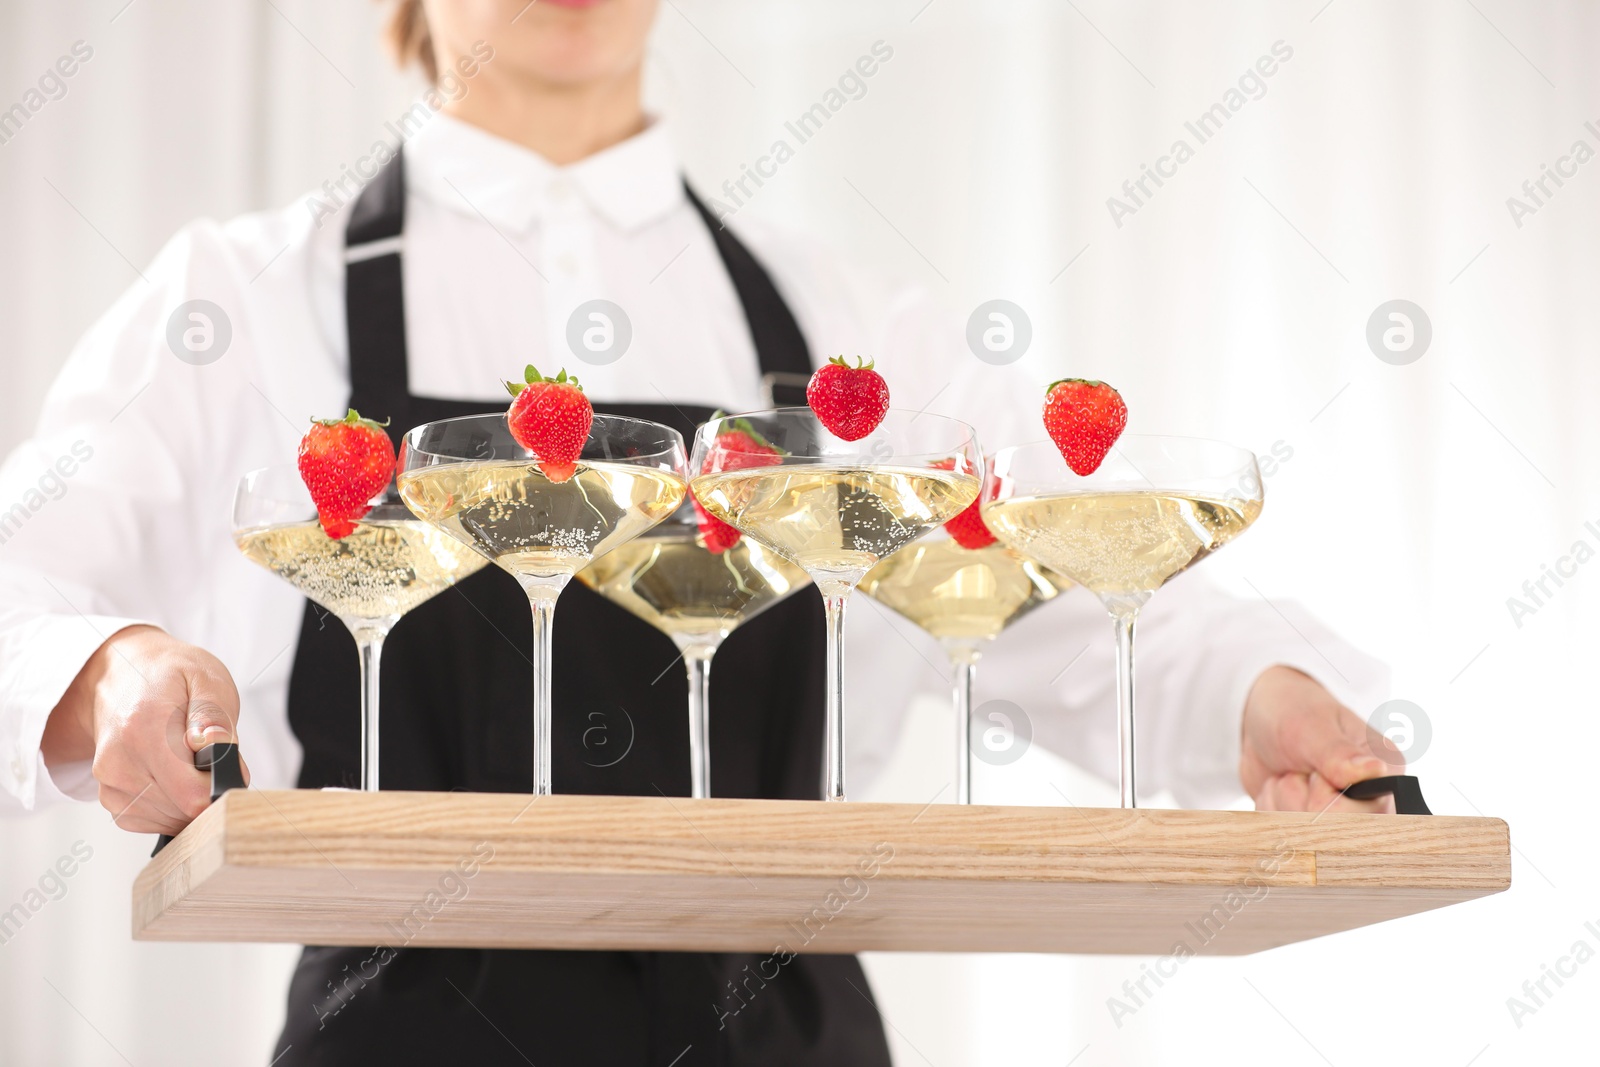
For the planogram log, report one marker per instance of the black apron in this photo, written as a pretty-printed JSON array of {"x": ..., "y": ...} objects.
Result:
[{"x": 457, "y": 699}]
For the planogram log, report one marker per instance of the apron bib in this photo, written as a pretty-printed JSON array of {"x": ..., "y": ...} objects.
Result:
[{"x": 457, "y": 699}]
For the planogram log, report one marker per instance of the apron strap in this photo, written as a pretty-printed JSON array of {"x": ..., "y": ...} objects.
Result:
[
  {"x": 780, "y": 346},
  {"x": 374, "y": 300}
]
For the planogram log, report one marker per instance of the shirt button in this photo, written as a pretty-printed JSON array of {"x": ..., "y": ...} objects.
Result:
[
  {"x": 560, "y": 190},
  {"x": 567, "y": 264},
  {"x": 16, "y": 767}
]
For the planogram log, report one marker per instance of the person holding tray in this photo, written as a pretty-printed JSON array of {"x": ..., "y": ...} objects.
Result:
[{"x": 532, "y": 194}]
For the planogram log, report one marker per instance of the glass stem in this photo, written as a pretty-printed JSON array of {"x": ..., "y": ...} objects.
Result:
[
  {"x": 698, "y": 664},
  {"x": 833, "y": 747},
  {"x": 1122, "y": 622},
  {"x": 964, "y": 660},
  {"x": 369, "y": 643},
  {"x": 543, "y": 599}
]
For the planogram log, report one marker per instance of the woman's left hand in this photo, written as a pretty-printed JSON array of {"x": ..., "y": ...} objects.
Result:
[{"x": 1301, "y": 747}]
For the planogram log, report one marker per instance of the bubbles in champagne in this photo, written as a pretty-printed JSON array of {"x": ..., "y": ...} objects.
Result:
[
  {"x": 837, "y": 520},
  {"x": 1119, "y": 544},
  {"x": 383, "y": 569},
  {"x": 531, "y": 525}
]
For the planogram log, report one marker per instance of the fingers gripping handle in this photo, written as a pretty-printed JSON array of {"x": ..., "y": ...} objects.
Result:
[
  {"x": 1406, "y": 789},
  {"x": 221, "y": 758}
]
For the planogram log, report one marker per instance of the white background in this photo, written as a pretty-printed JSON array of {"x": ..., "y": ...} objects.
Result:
[{"x": 1233, "y": 304}]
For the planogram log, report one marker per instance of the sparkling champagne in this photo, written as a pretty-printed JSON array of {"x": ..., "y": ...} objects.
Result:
[
  {"x": 836, "y": 522},
  {"x": 532, "y": 526},
  {"x": 1119, "y": 544},
  {"x": 693, "y": 596},
  {"x": 962, "y": 594},
  {"x": 380, "y": 571}
]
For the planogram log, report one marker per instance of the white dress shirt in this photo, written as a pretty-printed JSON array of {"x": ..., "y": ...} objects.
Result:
[{"x": 116, "y": 510}]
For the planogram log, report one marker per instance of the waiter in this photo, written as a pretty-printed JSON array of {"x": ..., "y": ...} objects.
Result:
[{"x": 132, "y": 632}]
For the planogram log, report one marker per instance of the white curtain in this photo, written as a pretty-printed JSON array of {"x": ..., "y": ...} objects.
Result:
[{"x": 1374, "y": 163}]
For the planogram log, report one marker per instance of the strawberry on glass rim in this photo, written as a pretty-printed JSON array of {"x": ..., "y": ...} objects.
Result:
[
  {"x": 1084, "y": 418},
  {"x": 849, "y": 401},
  {"x": 344, "y": 464},
  {"x": 968, "y": 528},
  {"x": 737, "y": 447},
  {"x": 550, "y": 417}
]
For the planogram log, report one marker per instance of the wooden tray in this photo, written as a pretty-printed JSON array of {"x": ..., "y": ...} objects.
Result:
[{"x": 501, "y": 870}]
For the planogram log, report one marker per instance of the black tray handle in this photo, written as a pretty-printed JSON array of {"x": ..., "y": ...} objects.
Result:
[
  {"x": 221, "y": 758},
  {"x": 1405, "y": 788}
]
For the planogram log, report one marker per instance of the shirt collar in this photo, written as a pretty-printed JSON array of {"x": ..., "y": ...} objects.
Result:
[{"x": 470, "y": 170}]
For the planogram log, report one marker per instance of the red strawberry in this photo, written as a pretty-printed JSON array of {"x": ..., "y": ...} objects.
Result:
[
  {"x": 1084, "y": 418},
  {"x": 717, "y": 535},
  {"x": 345, "y": 463},
  {"x": 550, "y": 417},
  {"x": 967, "y": 529},
  {"x": 737, "y": 447},
  {"x": 848, "y": 401}
]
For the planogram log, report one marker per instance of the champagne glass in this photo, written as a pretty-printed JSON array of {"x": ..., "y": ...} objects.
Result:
[
  {"x": 1153, "y": 509},
  {"x": 697, "y": 597},
  {"x": 963, "y": 597},
  {"x": 471, "y": 479},
  {"x": 836, "y": 508},
  {"x": 368, "y": 579}
]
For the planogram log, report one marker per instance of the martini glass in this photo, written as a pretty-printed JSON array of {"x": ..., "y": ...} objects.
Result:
[
  {"x": 964, "y": 597},
  {"x": 1153, "y": 509},
  {"x": 368, "y": 579},
  {"x": 668, "y": 578},
  {"x": 471, "y": 479},
  {"x": 837, "y": 508}
]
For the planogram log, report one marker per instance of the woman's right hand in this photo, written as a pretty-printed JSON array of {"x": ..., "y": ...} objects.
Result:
[{"x": 140, "y": 708}]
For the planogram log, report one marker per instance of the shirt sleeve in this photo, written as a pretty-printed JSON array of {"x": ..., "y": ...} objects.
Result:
[{"x": 99, "y": 509}]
